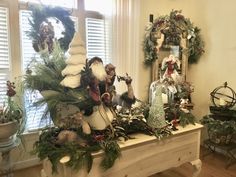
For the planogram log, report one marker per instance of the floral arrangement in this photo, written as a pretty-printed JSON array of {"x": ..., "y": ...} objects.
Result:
[
  {"x": 11, "y": 111},
  {"x": 71, "y": 134},
  {"x": 178, "y": 26},
  {"x": 87, "y": 112}
]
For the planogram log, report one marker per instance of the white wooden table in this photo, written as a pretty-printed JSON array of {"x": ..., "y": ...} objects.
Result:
[{"x": 144, "y": 156}]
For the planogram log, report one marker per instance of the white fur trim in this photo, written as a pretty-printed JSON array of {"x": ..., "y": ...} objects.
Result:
[{"x": 100, "y": 118}]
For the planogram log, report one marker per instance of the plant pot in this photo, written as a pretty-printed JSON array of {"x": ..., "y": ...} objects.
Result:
[{"x": 7, "y": 130}]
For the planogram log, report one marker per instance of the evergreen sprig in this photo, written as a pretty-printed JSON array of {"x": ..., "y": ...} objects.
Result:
[
  {"x": 80, "y": 156},
  {"x": 112, "y": 152},
  {"x": 186, "y": 118}
]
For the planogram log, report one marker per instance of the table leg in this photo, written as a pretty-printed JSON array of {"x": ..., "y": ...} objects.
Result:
[
  {"x": 197, "y": 164},
  {"x": 43, "y": 173}
]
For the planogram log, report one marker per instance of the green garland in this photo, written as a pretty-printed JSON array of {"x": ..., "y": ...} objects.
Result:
[
  {"x": 181, "y": 25},
  {"x": 80, "y": 155},
  {"x": 41, "y": 14}
]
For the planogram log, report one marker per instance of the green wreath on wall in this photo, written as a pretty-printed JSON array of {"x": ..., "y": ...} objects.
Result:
[
  {"x": 178, "y": 25},
  {"x": 42, "y": 31}
]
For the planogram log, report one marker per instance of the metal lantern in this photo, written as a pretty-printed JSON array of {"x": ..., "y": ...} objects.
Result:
[{"x": 223, "y": 96}]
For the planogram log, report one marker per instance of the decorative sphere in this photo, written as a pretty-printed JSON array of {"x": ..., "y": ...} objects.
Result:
[{"x": 223, "y": 96}]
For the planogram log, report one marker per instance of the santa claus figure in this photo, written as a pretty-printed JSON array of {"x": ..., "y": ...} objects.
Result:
[{"x": 102, "y": 91}]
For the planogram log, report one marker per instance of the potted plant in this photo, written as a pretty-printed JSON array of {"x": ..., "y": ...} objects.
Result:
[
  {"x": 10, "y": 117},
  {"x": 219, "y": 132}
]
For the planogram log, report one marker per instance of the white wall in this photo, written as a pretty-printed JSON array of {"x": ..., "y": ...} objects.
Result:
[{"x": 217, "y": 65}]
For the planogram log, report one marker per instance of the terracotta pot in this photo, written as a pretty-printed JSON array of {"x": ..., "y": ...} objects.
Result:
[{"x": 7, "y": 130}]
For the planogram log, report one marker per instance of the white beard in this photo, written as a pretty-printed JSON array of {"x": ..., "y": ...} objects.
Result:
[{"x": 98, "y": 71}]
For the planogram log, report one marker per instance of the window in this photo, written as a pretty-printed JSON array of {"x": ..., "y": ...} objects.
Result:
[
  {"x": 4, "y": 53},
  {"x": 96, "y": 43},
  {"x": 33, "y": 114},
  {"x": 16, "y": 56},
  {"x": 94, "y": 5},
  {"x": 62, "y": 3},
  {"x": 96, "y": 39}
]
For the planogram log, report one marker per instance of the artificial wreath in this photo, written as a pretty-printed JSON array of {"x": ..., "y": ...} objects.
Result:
[
  {"x": 42, "y": 31},
  {"x": 177, "y": 25}
]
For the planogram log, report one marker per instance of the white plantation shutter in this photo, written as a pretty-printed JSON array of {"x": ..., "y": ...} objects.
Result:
[
  {"x": 3, "y": 88},
  {"x": 28, "y": 52},
  {"x": 97, "y": 39},
  {"x": 4, "y": 53},
  {"x": 33, "y": 114}
]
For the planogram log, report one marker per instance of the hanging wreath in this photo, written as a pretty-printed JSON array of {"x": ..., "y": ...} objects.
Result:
[
  {"x": 177, "y": 25},
  {"x": 42, "y": 30}
]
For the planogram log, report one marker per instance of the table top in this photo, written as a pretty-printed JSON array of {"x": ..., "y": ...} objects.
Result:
[{"x": 140, "y": 138}]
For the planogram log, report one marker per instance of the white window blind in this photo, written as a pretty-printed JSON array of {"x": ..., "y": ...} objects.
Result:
[
  {"x": 97, "y": 39},
  {"x": 34, "y": 114},
  {"x": 4, "y": 53}
]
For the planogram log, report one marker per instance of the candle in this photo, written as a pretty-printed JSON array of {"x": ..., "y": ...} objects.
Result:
[{"x": 222, "y": 102}]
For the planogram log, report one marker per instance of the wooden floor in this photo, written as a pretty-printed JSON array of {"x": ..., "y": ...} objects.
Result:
[{"x": 213, "y": 166}]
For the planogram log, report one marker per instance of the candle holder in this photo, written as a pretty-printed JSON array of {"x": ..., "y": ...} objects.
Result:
[{"x": 223, "y": 96}]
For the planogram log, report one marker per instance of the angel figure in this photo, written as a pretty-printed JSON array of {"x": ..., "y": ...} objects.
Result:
[{"x": 170, "y": 66}]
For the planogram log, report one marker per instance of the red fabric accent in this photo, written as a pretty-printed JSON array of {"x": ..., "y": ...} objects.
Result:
[{"x": 170, "y": 67}]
